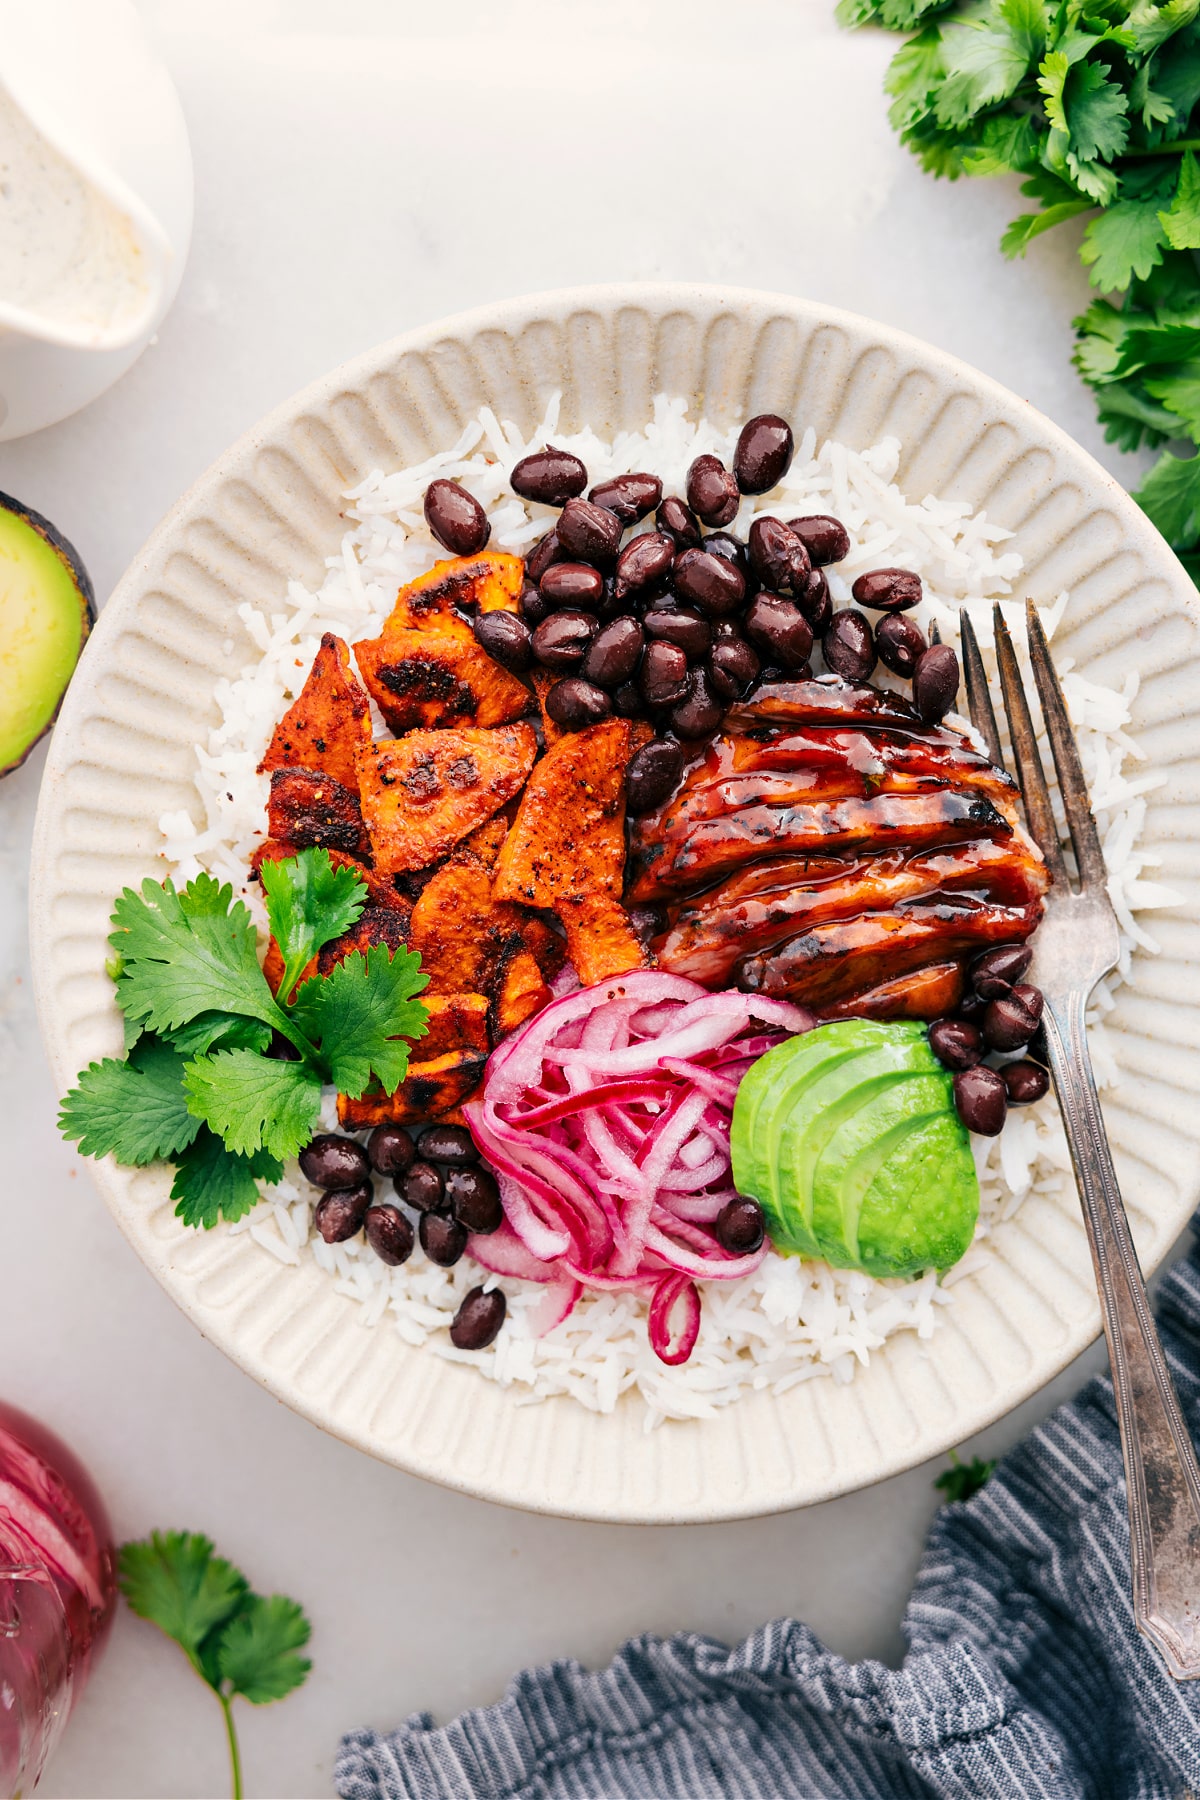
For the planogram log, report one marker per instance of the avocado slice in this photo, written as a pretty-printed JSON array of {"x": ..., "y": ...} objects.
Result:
[{"x": 47, "y": 608}]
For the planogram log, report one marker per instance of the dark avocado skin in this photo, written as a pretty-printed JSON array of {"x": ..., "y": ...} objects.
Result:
[{"x": 65, "y": 550}]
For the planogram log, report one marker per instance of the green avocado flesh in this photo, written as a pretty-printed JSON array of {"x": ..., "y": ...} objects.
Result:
[
  {"x": 45, "y": 616},
  {"x": 849, "y": 1140}
]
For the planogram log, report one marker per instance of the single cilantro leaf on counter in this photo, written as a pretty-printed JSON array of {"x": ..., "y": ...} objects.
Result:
[
  {"x": 135, "y": 1110},
  {"x": 257, "y": 1654},
  {"x": 173, "y": 1579},
  {"x": 363, "y": 1012},
  {"x": 964, "y": 1479},
  {"x": 187, "y": 953},
  {"x": 309, "y": 903},
  {"x": 254, "y": 1102},
  {"x": 1170, "y": 497},
  {"x": 213, "y": 1183}
]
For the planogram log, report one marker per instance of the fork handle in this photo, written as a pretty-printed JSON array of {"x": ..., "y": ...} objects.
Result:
[{"x": 1161, "y": 1475}]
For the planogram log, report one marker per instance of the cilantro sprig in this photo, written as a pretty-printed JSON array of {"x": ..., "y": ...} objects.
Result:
[
  {"x": 1094, "y": 104},
  {"x": 198, "y": 1086},
  {"x": 240, "y": 1643},
  {"x": 962, "y": 1480}
]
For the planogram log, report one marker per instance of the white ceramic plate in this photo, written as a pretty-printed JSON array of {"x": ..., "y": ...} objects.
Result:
[{"x": 269, "y": 510}]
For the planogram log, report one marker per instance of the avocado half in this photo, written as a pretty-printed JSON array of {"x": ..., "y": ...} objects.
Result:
[{"x": 47, "y": 608}]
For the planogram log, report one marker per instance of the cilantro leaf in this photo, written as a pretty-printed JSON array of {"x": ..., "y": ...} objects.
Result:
[
  {"x": 1004, "y": 144},
  {"x": 309, "y": 903},
  {"x": 1096, "y": 110},
  {"x": 964, "y": 1479},
  {"x": 1125, "y": 241},
  {"x": 1170, "y": 498},
  {"x": 218, "y": 1030},
  {"x": 362, "y": 1012},
  {"x": 982, "y": 67},
  {"x": 188, "y": 953},
  {"x": 214, "y": 1183},
  {"x": 1021, "y": 233},
  {"x": 1181, "y": 221},
  {"x": 257, "y": 1655},
  {"x": 1179, "y": 393},
  {"x": 134, "y": 1110},
  {"x": 254, "y": 1102},
  {"x": 173, "y": 1579}
]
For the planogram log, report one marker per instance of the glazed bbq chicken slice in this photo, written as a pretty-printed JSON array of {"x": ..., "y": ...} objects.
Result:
[{"x": 849, "y": 857}]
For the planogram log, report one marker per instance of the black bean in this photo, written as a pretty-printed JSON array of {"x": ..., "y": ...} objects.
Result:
[
  {"x": 560, "y": 642},
  {"x": 888, "y": 590},
  {"x": 678, "y": 521},
  {"x": 391, "y": 1150},
  {"x": 421, "y": 1187},
  {"x": 1012, "y": 1020},
  {"x": 645, "y": 563},
  {"x": 546, "y": 551},
  {"x": 627, "y": 701},
  {"x": 505, "y": 638},
  {"x": 995, "y": 972},
  {"x": 848, "y": 646},
  {"x": 443, "y": 1239},
  {"x": 448, "y": 1144},
  {"x": 700, "y": 712},
  {"x": 477, "y": 1322},
  {"x": 1025, "y": 1082},
  {"x": 533, "y": 608},
  {"x": 826, "y": 539},
  {"x": 456, "y": 518},
  {"x": 899, "y": 643},
  {"x": 333, "y": 1161},
  {"x": 614, "y": 605},
  {"x": 614, "y": 654},
  {"x": 631, "y": 497},
  {"x": 572, "y": 584},
  {"x": 676, "y": 625},
  {"x": 955, "y": 1043},
  {"x": 815, "y": 602},
  {"x": 765, "y": 448},
  {"x": 777, "y": 556},
  {"x": 732, "y": 667},
  {"x": 549, "y": 476},
  {"x": 935, "y": 682},
  {"x": 712, "y": 491},
  {"x": 664, "y": 674},
  {"x": 389, "y": 1234},
  {"x": 475, "y": 1199},
  {"x": 339, "y": 1216},
  {"x": 721, "y": 543},
  {"x": 575, "y": 704},
  {"x": 652, "y": 776},
  {"x": 780, "y": 630},
  {"x": 982, "y": 1099},
  {"x": 709, "y": 582},
  {"x": 590, "y": 533},
  {"x": 972, "y": 1008},
  {"x": 741, "y": 1227}
]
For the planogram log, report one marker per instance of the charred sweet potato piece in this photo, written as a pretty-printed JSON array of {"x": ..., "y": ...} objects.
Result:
[
  {"x": 543, "y": 681},
  {"x": 485, "y": 843},
  {"x": 430, "y": 1088},
  {"x": 328, "y": 725},
  {"x": 376, "y": 925},
  {"x": 461, "y": 934},
  {"x": 437, "y": 675},
  {"x": 569, "y": 837},
  {"x": 601, "y": 942},
  {"x": 522, "y": 992},
  {"x": 423, "y": 794},
  {"x": 548, "y": 949},
  {"x": 306, "y": 809},
  {"x": 490, "y": 581},
  {"x": 456, "y": 1022}
]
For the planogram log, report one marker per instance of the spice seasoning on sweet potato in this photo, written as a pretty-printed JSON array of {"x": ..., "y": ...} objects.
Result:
[
  {"x": 375, "y": 925},
  {"x": 431, "y": 1088},
  {"x": 437, "y": 675},
  {"x": 490, "y": 582},
  {"x": 461, "y": 935},
  {"x": 308, "y": 809},
  {"x": 328, "y": 725},
  {"x": 426, "y": 792},
  {"x": 568, "y": 838},
  {"x": 543, "y": 681},
  {"x": 456, "y": 1022},
  {"x": 601, "y": 942},
  {"x": 521, "y": 993}
]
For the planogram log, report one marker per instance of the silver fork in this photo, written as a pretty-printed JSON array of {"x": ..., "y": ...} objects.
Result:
[{"x": 1075, "y": 945}]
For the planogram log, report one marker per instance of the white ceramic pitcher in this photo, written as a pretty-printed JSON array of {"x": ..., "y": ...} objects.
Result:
[{"x": 85, "y": 98}]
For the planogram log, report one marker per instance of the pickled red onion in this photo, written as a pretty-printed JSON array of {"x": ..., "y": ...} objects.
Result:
[{"x": 606, "y": 1118}]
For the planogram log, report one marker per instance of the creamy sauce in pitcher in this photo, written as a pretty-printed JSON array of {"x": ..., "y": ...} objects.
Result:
[{"x": 67, "y": 254}]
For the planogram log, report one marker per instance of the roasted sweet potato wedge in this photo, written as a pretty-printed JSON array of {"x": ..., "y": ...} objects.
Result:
[
  {"x": 601, "y": 942},
  {"x": 423, "y": 794},
  {"x": 456, "y": 1022},
  {"x": 376, "y": 925},
  {"x": 437, "y": 675},
  {"x": 521, "y": 993},
  {"x": 429, "y": 1089},
  {"x": 329, "y": 724},
  {"x": 543, "y": 681},
  {"x": 490, "y": 582},
  {"x": 462, "y": 935},
  {"x": 307, "y": 809},
  {"x": 568, "y": 838},
  {"x": 486, "y": 842}
]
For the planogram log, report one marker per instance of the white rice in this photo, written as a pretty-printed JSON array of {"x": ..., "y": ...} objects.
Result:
[{"x": 793, "y": 1319}]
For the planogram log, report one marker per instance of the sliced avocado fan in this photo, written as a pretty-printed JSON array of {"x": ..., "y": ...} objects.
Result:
[
  {"x": 46, "y": 612},
  {"x": 849, "y": 1139}
]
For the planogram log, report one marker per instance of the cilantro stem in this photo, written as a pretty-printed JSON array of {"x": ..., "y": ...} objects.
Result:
[
  {"x": 235, "y": 1758},
  {"x": 1176, "y": 147}
]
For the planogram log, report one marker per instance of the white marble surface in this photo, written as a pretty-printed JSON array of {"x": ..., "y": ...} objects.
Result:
[{"x": 360, "y": 170}]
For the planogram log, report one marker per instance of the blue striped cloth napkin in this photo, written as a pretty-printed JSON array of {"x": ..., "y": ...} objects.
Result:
[{"x": 1024, "y": 1678}]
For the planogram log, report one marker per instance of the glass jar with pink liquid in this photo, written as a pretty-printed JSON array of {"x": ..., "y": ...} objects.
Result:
[{"x": 57, "y": 1592}]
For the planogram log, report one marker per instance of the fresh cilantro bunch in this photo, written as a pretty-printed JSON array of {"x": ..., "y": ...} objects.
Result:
[
  {"x": 198, "y": 1086},
  {"x": 1092, "y": 103},
  {"x": 238, "y": 1642}
]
